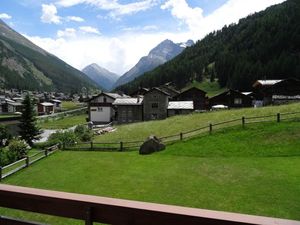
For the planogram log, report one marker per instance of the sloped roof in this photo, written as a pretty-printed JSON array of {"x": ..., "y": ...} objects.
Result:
[
  {"x": 181, "y": 105},
  {"x": 47, "y": 104},
  {"x": 128, "y": 101},
  {"x": 265, "y": 82},
  {"x": 158, "y": 89}
]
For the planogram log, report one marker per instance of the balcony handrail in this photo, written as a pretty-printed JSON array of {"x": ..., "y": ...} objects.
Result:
[{"x": 116, "y": 211}]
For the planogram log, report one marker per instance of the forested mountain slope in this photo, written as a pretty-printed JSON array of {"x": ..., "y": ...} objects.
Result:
[
  {"x": 24, "y": 65},
  {"x": 263, "y": 45}
]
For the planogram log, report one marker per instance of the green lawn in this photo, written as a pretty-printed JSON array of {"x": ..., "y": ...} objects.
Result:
[
  {"x": 177, "y": 124},
  {"x": 255, "y": 170},
  {"x": 69, "y": 105},
  {"x": 8, "y": 115},
  {"x": 63, "y": 123}
]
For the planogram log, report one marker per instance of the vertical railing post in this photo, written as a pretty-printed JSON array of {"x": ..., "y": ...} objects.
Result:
[
  {"x": 243, "y": 122},
  {"x": 210, "y": 128},
  {"x": 27, "y": 161},
  {"x": 88, "y": 220},
  {"x": 46, "y": 152},
  {"x": 92, "y": 145},
  {"x": 121, "y": 146},
  {"x": 278, "y": 117},
  {"x": 0, "y": 173},
  {"x": 181, "y": 136}
]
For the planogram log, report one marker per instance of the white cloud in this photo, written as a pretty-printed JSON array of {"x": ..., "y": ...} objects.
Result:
[
  {"x": 68, "y": 32},
  {"x": 5, "y": 16},
  {"x": 115, "y": 8},
  {"x": 74, "y": 18},
  {"x": 49, "y": 14},
  {"x": 120, "y": 53},
  {"x": 88, "y": 29},
  {"x": 181, "y": 10},
  {"x": 199, "y": 25}
]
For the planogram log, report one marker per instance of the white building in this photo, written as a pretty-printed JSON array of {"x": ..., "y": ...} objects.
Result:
[{"x": 101, "y": 109}]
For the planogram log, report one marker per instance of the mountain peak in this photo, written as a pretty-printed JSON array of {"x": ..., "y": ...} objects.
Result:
[{"x": 103, "y": 77}]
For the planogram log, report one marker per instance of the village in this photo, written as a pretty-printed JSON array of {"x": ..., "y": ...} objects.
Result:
[{"x": 161, "y": 102}]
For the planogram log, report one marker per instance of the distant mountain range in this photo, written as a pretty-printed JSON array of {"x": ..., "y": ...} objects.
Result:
[
  {"x": 101, "y": 76},
  {"x": 162, "y": 53},
  {"x": 23, "y": 65}
]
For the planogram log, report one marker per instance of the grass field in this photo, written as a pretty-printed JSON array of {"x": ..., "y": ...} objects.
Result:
[
  {"x": 8, "y": 115},
  {"x": 255, "y": 170},
  {"x": 177, "y": 124},
  {"x": 69, "y": 105},
  {"x": 65, "y": 122}
]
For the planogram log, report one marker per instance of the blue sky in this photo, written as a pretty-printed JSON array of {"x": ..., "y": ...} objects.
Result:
[{"x": 116, "y": 33}]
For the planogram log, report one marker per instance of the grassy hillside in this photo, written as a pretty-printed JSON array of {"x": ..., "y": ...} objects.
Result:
[
  {"x": 211, "y": 88},
  {"x": 177, "y": 124},
  {"x": 254, "y": 170}
]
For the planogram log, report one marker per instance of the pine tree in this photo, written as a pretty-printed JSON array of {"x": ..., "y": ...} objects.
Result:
[{"x": 28, "y": 128}]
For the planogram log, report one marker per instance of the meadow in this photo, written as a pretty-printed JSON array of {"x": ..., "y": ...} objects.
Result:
[{"x": 252, "y": 170}]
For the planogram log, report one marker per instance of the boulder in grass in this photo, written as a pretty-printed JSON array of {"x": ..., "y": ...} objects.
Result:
[{"x": 152, "y": 144}]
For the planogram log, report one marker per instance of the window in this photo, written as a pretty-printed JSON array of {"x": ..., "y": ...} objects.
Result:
[
  {"x": 154, "y": 105},
  {"x": 237, "y": 101},
  {"x": 100, "y": 109},
  {"x": 104, "y": 99}
]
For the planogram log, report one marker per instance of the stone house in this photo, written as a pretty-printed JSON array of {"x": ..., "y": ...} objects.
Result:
[{"x": 156, "y": 104}]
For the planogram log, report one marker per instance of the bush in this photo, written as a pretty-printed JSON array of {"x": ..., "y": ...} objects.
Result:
[
  {"x": 4, "y": 136},
  {"x": 17, "y": 149},
  {"x": 64, "y": 137},
  {"x": 4, "y": 160},
  {"x": 83, "y": 133}
]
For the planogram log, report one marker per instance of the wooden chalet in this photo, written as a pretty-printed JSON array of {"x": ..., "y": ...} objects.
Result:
[
  {"x": 156, "y": 104},
  {"x": 13, "y": 107},
  {"x": 45, "y": 108},
  {"x": 232, "y": 99},
  {"x": 129, "y": 110},
  {"x": 285, "y": 91},
  {"x": 180, "y": 107},
  {"x": 200, "y": 101}
]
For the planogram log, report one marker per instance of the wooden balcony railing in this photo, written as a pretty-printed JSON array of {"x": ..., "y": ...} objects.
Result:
[{"x": 115, "y": 211}]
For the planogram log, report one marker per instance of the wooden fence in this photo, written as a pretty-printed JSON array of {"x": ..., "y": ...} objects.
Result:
[
  {"x": 116, "y": 211},
  {"x": 207, "y": 129},
  {"x": 26, "y": 162}
]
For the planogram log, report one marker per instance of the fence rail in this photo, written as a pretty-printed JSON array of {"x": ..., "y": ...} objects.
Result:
[
  {"x": 208, "y": 129},
  {"x": 116, "y": 211},
  {"x": 26, "y": 162}
]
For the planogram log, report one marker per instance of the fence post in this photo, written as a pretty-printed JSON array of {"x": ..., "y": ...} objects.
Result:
[
  {"x": 210, "y": 128},
  {"x": 181, "y": 136},
  {"x": 0, "y": 173},
  {"x": 243, "y": 122},
  {"x": 92, "y": 146},
  {"x": 64, "y": 145},
  {"x": 27, "y": 161},
  {"x": 121, "y": 146},
  {"x": 278, "y": 117},
  {"x": 46, "y": 152}
]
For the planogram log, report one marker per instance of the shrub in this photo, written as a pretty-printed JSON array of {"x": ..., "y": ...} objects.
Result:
[
  {"x": 83, "y": 133},
  {"x": 17, "y": 149},
  {"x": 4, "y": 136},
  {"x": 64, "y": 137}
]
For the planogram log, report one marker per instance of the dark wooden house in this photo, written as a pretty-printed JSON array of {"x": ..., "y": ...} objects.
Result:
[
  {"x": 196, "y": 95},
  {"x": 232, "y": 99},
  {"x": 156, "y": 104},
  {"x": 129, "y": 110},
  {"x": 45, "y": 108},
  {"x": 285, "y": 91},
  {"x": 139, "y": 92}
]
